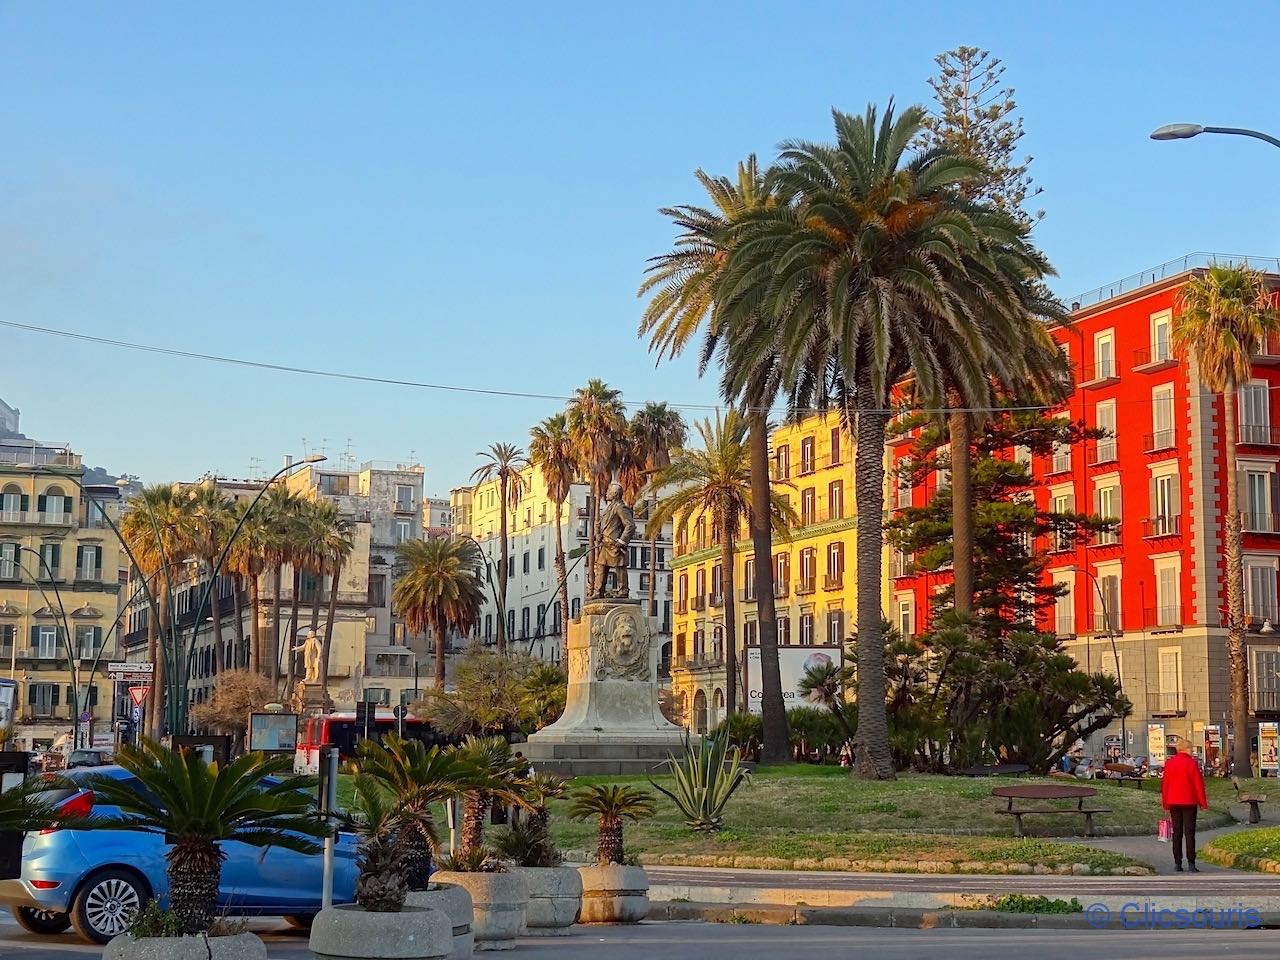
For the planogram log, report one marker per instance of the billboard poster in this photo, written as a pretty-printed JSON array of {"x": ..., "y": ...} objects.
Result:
[
  {"x": 1212, "y": 745},
  {"x": 1156, "y": 750},
  {"x": 1268, "y": 735},
  {"x": 273, "y": 731},
  {"x": 794, "y": 663},
  {"x": 8, "y": 703}
]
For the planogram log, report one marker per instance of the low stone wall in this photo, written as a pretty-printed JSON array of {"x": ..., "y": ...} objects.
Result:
[{"x": 846, "y": 865}]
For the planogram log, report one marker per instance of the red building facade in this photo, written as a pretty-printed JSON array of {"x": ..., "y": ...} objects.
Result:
[{"x": 1147, "y": 602}]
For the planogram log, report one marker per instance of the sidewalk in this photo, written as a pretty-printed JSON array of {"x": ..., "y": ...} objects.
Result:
[{"x": 1159, "y": 854}]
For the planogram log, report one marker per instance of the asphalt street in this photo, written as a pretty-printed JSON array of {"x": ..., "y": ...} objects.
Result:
[{"x": 709, "y": 941}]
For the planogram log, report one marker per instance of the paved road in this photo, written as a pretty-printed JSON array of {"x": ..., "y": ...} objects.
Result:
[{"x": 679, "y": 941}]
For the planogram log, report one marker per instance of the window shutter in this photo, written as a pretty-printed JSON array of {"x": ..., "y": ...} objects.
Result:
[
  {"x": 31, "y": 694},
  {"x": 35, "y": 637},
  {"x": 80, "y": 552},
  {"x": 26, "y": 503},
  {"x": 93, "y": 694},
  {"x": 70, "y": 504},
  {"x": 55, "y": 694},
  {"x": 40, "y": 500}
]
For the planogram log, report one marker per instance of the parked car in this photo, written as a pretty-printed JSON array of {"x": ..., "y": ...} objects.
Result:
[
  {"x": 87, "y": 758},
  {"x": 95, "y": 880}
]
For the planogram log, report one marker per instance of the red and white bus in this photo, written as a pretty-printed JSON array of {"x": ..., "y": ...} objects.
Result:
[{"x": 342, "y": 731}]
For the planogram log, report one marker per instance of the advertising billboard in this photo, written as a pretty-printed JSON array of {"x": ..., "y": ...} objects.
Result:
[
  {"x": 273, "y": 731},
  {"x": 793, "y": 662},
  {"x": 8, "y": 703},
  {"x": 1268, "y": 737},
  {"x": 1157, "y": 751}
]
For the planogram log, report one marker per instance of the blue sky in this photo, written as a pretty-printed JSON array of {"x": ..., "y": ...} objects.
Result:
[{"x": 467, "y": 193}]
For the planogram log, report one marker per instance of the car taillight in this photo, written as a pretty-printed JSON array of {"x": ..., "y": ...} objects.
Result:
[
  {"x": 46, "y": 884},
  {"x": 80, "y": 805}
]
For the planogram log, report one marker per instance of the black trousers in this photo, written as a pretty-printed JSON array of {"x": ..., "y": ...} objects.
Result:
[{"x": 1184, "y": 829}]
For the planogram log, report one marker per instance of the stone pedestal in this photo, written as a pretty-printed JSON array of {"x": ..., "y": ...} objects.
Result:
[
  {"x": 308, "y": 699},
  {"x": 611, "y": 722}
]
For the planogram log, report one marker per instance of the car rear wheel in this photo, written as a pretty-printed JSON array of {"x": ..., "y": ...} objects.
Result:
[
  {"x": 40, "y": 921},
  {"x": 107, "y": 904},
  {"x": 302, "y": 921}
]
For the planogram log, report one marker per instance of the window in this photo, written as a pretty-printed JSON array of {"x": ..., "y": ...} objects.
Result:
[
  {"x": 1260, "y": 590},
  {"x": 88, "y": 640},
  {"x": 1168, "y": 612},
  {"x": 511, "y": 623},
  {"x": 1062, "y": 503},
  {"x": 717, "y": 586},
  {"x": 750, "y": 634},
  {"x": 88, "y": 563},
  {"x": 699, "y": 587},
  {"x": 575, "y": 607},
  {"x": 783, "y": 459},
  {"x": 399, "y": 633},
  {"x": 404, "y": 498},
  {"x": 835, "y": 446},
  {"x": 944, "y": 473},
  {"x": 488, "y": 626},
  {"x": 808, "y": 512},
  {"x": 781, "y": 574},
  {"x": 55, "y": 507},
  {"x": 1161, "y": 341},
  {"x": 542, "y": 620},
  {"x": 835, "y": 564},
  {"x": 784, "y": 629},
  {"x": 835, "y": 500},
  {"x": 749, "y": 578},
  {"x": 45, "y": 640},
  {"x": 377, "y": 590},
  {"x": 682, "y": 593},
  {"x": 1257, "y": 491},
  {"x": 1105, "y": 419},
  {"x": 1107, "y": 505},
  {"x": 905, "y": 616},
  {"x": 8, "y": 561},
  {"x": 835, "y": 627},
  {"x": 8, "y": 637},
  {"x": 1170, "y": 679},
  {"x": 1106, "y": 618},
  {"x": 1164, "y": 505},
  {"x": 12, "y": 504},
  {"x": 1255, "y": 414},
  {"x": 1022, "y": 456},
  {"x": 1064, "y": 605},
  {"x": 808, "y": 569},
  {"x": 807, "y": 459},
  {"x": 403, "y": 528},
  {"x": 511, "y": 567},
  {"x": 1061, "y": 458},
  {"x": 903, "y": 499},
  {"x": 42, "y": 698},
  {"x": 1264, "y": 679},
  {"x": 806, "y": 629},
  {"x": 524, "y": 622},
  {"x": 1104, "y": 355},
  {"x": 50, "y": 561},
  {"x": 1161, "y": 417},
  {"x": 335, "y": 485},
  {"x": 524, "y": 562},
  {"x": 378, "y": 695}
]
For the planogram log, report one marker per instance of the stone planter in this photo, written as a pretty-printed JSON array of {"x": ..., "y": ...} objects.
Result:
[
  {"x": 245, "y": 946},
  {"x": 349, "y": 932},
  {"x": 613, "y": 893},
  {"x": 455, "y": 903},
  {"x": 555, "y": 897},
  {"x": 497, "y": 905}
]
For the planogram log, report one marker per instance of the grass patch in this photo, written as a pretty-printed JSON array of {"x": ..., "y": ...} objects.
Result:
[
  {"x": 1263, "y": 843},
  {"x": 1021, "y": 903}
]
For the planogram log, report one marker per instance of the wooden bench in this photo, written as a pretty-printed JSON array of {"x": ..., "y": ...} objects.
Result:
[
  {"x": 1048, "y": 791},
  {"x": 1255, "y": 802},
  {"x": 1124, "y": 772}
]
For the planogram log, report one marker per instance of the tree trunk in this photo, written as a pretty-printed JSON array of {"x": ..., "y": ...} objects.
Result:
[
  {"x": 502, "y": 569},
  {"x": 873, "y": 757},
  {"x": 474, "y": 810},
  {"x": 194, "y": 869},
  {"x": 259, "y": 640},
  {"x": 291, "y": 636},
  {"x": 609, "y": 846},
  {"x": 1242, "y": 762},
  {"x": 153, "y": 656},
  {"x": 238, "y": 652},
  {"x": 730, "y": 624},
  {"x": 275, "y": 626},
  {"x": 438, "y": 629},
  {"x": 215, "y": 611},
  {"x": 653, "y": 559},
  {"x": 315, "y": 601},
  {"x": 327, "y": 643},
  {"x": 156, "y": 697},
  {"x": 562, "y": 577},
  {"x": 593, "y": 524},
  {"x": 774, "y": 713},
  {"x": 962, "y": 509}
]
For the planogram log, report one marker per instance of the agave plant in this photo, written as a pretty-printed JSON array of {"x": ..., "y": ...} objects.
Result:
[
  {"x": 704, "y": 780},
  {"x": 199, "y": 805},
  {"x": 610, "y": 804}
]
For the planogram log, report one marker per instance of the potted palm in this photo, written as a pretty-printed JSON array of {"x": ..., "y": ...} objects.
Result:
[
  {"x": 197, "y": 806},
  {"x": 612, "y": 891},
  {"x": 379, "y": 925},
  {"x": 555, "y": 891}
]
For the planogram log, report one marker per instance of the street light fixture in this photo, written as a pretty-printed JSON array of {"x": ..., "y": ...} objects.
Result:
[
  {"x": 1185, "y": 131},
  {"x": 1115, "y": 656}
]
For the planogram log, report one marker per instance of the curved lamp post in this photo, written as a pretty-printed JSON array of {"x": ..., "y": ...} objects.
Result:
[
  {"x": 1111, "y": 635},
  {"x": 1185, "y": 131},
  {"x": 488, "y": 562}
]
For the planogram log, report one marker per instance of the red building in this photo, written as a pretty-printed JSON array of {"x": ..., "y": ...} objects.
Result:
[{"x": 1155, "y": 590}]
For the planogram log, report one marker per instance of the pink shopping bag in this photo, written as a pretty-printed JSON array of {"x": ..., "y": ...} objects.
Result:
[{"x": 1164, "y": 830}]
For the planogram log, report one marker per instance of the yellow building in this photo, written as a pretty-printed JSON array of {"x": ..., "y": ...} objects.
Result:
[
  {"x": 815, "y": 572},
  {"x": 60, "y": 596}
]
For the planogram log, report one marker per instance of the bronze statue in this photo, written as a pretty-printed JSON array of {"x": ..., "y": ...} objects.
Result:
[{"x": 616, "y": 528}]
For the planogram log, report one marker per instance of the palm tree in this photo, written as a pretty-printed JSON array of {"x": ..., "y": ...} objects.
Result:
[
  {"x": 209, "y": 521},
  {"x": 155, "y": 528},
  {"x": 505, "y": 461},
  {"x": 656, "y": 430},
  {"x": 198, "y": 806},
  {"x": 437, "y": 588},
  {"x": 685, "y": 287},
  {"x": 597, "y": 424},
  {"x": 551, "y": 451},
  {"x": 716, "y": 481},
  {"x": 249, "y": 559},
  {"x": 874, "y": 268},
  {"x": 280, "y": 508},
  {"x": 1224, "y": 316},
  {"x": 610, "y": 805},
  {"x": 503, "y": 782},
  {"x": 334, "y": 547},
  {"x": 23, "y": 810}
]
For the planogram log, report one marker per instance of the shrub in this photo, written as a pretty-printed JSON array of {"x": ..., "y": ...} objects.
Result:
[
  {"x": 154, "y": 921},
  {"x": 705, "y": 779}
]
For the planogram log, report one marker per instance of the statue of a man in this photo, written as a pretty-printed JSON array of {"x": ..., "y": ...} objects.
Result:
[
  {"x": 310, "y": 650},
  {"x": 617, "y": 527}
]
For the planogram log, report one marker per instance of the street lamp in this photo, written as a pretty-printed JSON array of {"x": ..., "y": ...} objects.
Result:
[
  {"x": 488, "y": 561},
  {"x": 1185, "y": 131},
  {"x": 1115, "y": 656}
]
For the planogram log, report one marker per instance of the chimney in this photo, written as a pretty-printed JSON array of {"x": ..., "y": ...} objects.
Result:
[{"x": 288, "y": 460}]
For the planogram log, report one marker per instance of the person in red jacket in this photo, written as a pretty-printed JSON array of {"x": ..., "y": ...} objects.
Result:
[{"x": 1182, "y": 793}]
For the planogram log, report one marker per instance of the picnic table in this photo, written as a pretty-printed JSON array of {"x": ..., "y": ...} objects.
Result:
[
  {"x": 1048, "y": 791},
  {"x": 995, "y": 770}
]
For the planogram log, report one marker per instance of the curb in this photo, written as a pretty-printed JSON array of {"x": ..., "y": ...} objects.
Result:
[
  {"x": 906, "y": 918},
  {"x": 1238, "y": 861},
  {"x": 848, "y": 865}
]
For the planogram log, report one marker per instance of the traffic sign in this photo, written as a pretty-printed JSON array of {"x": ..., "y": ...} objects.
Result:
[
  {"x": 84, "y": 717},
  {"x": 139, "y": 694},
  {"x": 136, "y": 715},
  {"x": 131, "y": 672},
  {"x": 400, "y": 712}
]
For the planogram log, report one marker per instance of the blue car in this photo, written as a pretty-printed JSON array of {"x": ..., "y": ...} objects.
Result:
[{"x": 94, "y": 880}]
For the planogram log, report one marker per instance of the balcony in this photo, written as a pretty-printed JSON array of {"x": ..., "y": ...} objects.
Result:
[
  {"x": 1269, "y": 355},
  {"x": 833, "y": 581},
  {"x": 406, "y": 506},
  {"x": 805, "y": 587},
  {"x": 1108, "y": 625},
  {"x": 1064, "y": 627},
  {"x": 89, "y": 576},
  {"x": 699, "y": 603},
  {"x": 1103, "y": 451},
  {"x": 1099, "y": 375},
  {"x": 1166, "y": 618},
  {"x": 699, "y": 661},
  {"x": 781, "y": 589},
  {"x": 717, "y": 598},
  {"x": 747, "y": 594},
  {"x": 1158, "y": 440},
  {"x": 1263, "y": 701},
  {"x": 1106, "y": 538},
  {"x": 1169, "y": 704},
  {"x": 389, "y": 667},
  {"x": 1258, "y": 435},
  {"x": 1169, "y": 525},
  {"x": 682, "y": 606},
  {"x": 1061, "y": 463},
  {"x": 1154, "y": 359},
  {"x": 1259, "y": 523}
]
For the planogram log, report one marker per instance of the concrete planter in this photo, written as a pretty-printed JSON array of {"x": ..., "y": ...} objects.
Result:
[
  {"x": 349, "y": 932},
  {"x": 497, "y": 905},
  {"x": 245, "y": 946},
  {"x": 555, "y": 898},
  {"x": 455, "y": 903},
  {"x": 613, "y": 893}
]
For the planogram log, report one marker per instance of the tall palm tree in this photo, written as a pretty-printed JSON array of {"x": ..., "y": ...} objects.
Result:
[
  {"x": 249, "y": 559},
  {"x": 685, "y": 287},
  {"x": 505, "y": 461},
  {"x": 597, "y": 423},
  {"x": 1224, "y": 316},
  {"x": 552, "y": 452},
  {"x": 305, "y": 532},
  {"x": 873, "y": 268},
  {"x": 437, "y": 588},
  {"x": 209, "y": 520},
  {"x": 279, "y": 508},
  {"x": 156, "y": 530},
  {"x": 334, "y": 546},
  {"x": 656, "y": 430},
  {"x": 716, "y": 481}
]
